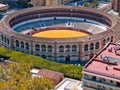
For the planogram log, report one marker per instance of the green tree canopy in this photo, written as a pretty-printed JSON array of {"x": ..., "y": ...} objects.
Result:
[{"x": 16, "y": 76}]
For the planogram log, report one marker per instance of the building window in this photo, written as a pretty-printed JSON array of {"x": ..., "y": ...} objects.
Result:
[
  {"x": 49, "y": 56},
  {"x": 108, "y": 39},
  {"x": 104, "y": 42},
  {"x": 49, "y": 48},
  {"x": 43, "y": 48},
  {"x": 94, "y": 78},
  {"x": 86, "y": 75},
  {"x": 104, "y": 80},
  {"x": 17, "y": 43},
  {"x": 61, "y": 56},
  {"x": 91, "y": 46},
  {"x": 118, "y": 84},
  {"x": 111, "y": 81},
  {"x": 61, "y": 48},
  {"x": 22, "y": 45},
  {"x": 97, "y": 45},
  {"x": 67, "y": 48},
  {"x": 27, "y": 46},
  {"x": 112, "y": 39},
  {"x": 7, "y": 41},
  {"x": 2, "y": 37},
  {"x": 37, "y": 47},
  {"x": 74, "y": 48},
  {"x": 86, "y": 47}
]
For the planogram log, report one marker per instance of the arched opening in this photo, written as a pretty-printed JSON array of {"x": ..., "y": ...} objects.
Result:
[
  {"x": 37, "y": 47},
  {"x": 43, "y": 48},
  {"x": 67, "y": 48},
  {"x": 49, "y": 48},
  {"x": 43, "y": 56},
  {"x": 67, "y": 58},
  {"x": 50, "y": 57},
  {"x": 22, "y": 45},
  {"x": 91, "y": 46},
  {"x": 86, "y": 47},
  {"x": 104, "y": 42},
  {"x": 112, "y": 39},
  {"x": 27, "y": 46},
  {"x": 2, "y": 37},
  {"x": 7, "y": 41},
  {"x": 61, "y": 48},
  {"x": 108, "y": 39},
  {"x": 97, "y": 45},
  {"x": 17, "y": 43},
  {"x": 74, "y": 48}
]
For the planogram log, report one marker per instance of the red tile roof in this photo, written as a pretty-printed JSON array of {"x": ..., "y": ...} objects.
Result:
[{"x": 56, "y": 77}]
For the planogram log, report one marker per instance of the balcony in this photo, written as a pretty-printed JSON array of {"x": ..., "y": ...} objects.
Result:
[
  {"x": 101, "y": 83},
  {"x": 88, "y": 87}
]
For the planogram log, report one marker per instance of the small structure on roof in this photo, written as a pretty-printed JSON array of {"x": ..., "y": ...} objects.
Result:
[
  {"x": 69, "y": 84},
  {"x": 3, "y": 7}
]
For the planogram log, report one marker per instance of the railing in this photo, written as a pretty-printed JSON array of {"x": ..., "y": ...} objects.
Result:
[
  {"x": 101, "y": 73},
  {"x": 89, "y": 87}
]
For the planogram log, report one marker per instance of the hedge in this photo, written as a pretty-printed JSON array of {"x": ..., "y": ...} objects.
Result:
[{"x": 69, "y": 70}]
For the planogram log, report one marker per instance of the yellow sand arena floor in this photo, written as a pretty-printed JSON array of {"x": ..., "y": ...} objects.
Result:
[{"x": 59, "y": 34}]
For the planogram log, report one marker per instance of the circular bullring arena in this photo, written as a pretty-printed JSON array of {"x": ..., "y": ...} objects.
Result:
[{"x": 59, "y": 33}]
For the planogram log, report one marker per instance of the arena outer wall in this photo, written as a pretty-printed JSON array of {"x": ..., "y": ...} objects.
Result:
[{"x": 58, "y": 49}]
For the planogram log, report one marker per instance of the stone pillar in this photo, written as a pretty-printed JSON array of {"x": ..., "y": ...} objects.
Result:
[
  {"x": 80, "y": 51},
  {"x": 12, "y": 43},
  {"x": 31, "y": 46},
  {"x": 55, "y": 51},
  {"x": 113, "y": 4}
]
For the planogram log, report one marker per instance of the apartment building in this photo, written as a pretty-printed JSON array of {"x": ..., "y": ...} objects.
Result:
[{"x": 102, "y": 72}]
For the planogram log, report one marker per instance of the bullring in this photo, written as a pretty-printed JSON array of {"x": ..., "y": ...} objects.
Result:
[{"x": 16, "y": 32}]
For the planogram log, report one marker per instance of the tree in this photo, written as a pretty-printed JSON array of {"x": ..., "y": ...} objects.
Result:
[
  {"x": 23, "y": 3},
  {"x": 93, "y": 5},
  {"x": 86, "y": 4},
  {"x": 14, "y": 76}
]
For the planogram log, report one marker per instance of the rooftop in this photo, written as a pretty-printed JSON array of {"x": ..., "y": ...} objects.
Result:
[
  {"x": 105, "y": 64},
  {"x": 56, "y": 77},
  {"x": 69, "y": 84},
  {"x": 2, "y": 5}
]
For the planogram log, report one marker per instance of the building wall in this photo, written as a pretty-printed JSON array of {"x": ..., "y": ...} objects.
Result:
[
  {"x": 52, "y": 2},
  {"x": 38, "y": 2},
  {"x": 49, "y": 2},
  {"x": 53, "y": 53},
  {"x": 116, "y": 5},
  {"x": 98, "y": 83},
  {"x": 106, "y": 8}
]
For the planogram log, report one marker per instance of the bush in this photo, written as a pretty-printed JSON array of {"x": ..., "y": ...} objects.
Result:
[{"x": 69, "y": 70}]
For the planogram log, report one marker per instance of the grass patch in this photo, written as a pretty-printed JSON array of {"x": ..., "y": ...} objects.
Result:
[{"x": 69, "y": 70}]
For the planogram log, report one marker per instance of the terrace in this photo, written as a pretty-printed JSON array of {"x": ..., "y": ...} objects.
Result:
[{"x": 105, "y": 64}]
